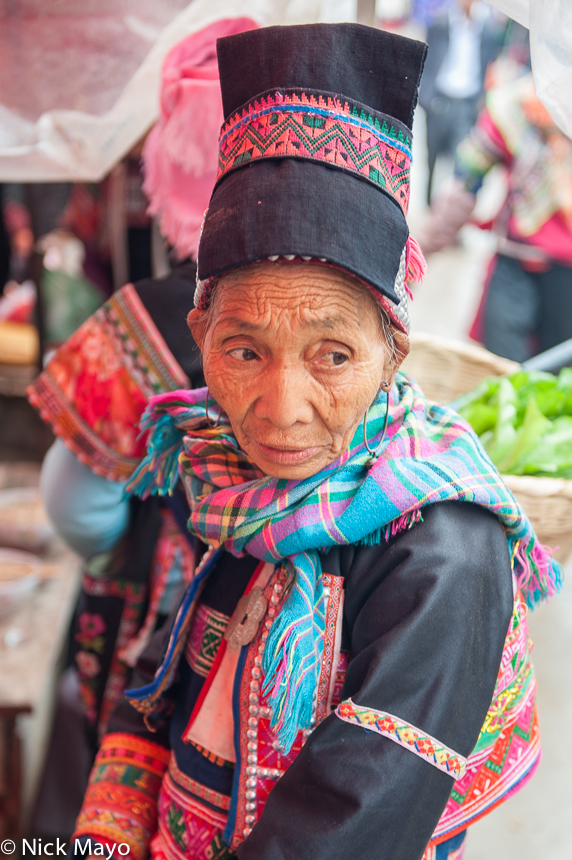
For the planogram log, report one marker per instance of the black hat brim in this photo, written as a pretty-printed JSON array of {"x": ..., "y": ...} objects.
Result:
[{"x": 287, "y": 206}]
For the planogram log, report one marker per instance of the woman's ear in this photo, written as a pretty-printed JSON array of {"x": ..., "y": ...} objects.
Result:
[
  {"x": 400, "y": 352},
  {"x": 197, "y": 322},
  {"x": 402, "y": 347}
]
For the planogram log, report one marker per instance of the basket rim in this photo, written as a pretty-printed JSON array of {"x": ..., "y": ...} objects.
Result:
[
  {"x": 539, "y": 485},
  {"x": 461, "y": 349}
]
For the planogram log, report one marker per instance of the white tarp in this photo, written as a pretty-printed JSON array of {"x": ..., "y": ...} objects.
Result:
[
  {"x": 550, "y": 26},
  {"x": 79, "y": 78}
]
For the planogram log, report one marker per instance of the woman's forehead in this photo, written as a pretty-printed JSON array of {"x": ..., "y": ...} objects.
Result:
[
  {"x": 314, "y": 294},
  {"x": 278, "y": 282}
]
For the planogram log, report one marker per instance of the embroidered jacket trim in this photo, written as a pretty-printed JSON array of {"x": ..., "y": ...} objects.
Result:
[{"x": 406, "y": 735}]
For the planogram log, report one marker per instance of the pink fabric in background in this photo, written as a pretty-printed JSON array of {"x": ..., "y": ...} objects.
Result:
[{"x": 181, "y": 152}]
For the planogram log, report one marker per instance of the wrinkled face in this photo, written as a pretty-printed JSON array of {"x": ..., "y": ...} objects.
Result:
[{"x": 295, "y": 355}]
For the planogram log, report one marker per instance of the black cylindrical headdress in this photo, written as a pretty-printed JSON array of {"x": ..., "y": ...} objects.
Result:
[{"x": 315, "y": 154}]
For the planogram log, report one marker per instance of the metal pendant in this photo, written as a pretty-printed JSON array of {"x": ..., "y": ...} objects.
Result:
[{"x": 245, "y": 619}]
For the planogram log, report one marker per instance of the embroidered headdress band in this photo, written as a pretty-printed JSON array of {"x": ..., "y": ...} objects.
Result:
[{"x": 322, "y": 128}]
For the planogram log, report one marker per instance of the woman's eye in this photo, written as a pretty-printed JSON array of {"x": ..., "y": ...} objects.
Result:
[
  {"x": 243, "y": 354},
  {"x": 336, "y": 358}
]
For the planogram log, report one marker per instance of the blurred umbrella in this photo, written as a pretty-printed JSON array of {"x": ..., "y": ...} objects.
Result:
[{"x": 79, "y": 79}]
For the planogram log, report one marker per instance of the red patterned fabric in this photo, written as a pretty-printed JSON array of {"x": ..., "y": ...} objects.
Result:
[
  {"x": 120, "y": 804},
  {"x": 189, "y": 828},
  {"x": 192, "y": 817},
  {"x": 508, "y": 749},
  {"x": 95, "y": 388}
]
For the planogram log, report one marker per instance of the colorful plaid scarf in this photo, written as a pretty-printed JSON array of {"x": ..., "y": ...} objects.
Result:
[{"x": 429, "y": 455}]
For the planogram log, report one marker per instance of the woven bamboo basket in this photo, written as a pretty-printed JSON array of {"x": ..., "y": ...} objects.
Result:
[{"x": 445, "y": 369}]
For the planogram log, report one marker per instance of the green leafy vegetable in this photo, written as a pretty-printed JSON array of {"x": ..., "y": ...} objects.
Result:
[
  {"x": 524, "y": 421},
  {"x": 552, "y": 455},
  {"x": 534, "y": 426},
  {"x": 504, "y": 433},
  {"x": 481, "y": 417}
]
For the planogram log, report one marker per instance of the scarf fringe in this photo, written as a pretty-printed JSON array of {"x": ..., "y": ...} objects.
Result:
[
  {"x": 403, "y": 523},
  {"x": 395, "y": 527},
  {"x": 290, "y": 696},
  {"x": 292, "y": 657},
  {"x": 158, "y": 472},
  {"x": 538, "y": 575}
]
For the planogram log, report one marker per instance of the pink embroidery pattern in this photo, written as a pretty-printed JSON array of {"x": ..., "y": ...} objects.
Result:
[
  {"x": 319, "y": 128},
  {"x": 187, "y": 827},
  {"x": 508, "y": 750},
  {"x": 406, "y": 735}
]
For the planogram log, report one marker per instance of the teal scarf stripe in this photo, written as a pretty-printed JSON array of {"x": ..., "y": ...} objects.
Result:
[
  {"x": 292, "y": 708},
  {"x": 429, "y": 455}
]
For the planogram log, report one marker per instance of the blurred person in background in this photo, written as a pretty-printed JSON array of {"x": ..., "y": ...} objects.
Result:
[
  {"x": 46, "y": 252},
  {"x": 17, "y": 237},
  {"x": 526, "y": 306},
  {"x": 463, "y": 39},
  {"x": 112, "y": 220},
  {"x": 93, "y": 391}
]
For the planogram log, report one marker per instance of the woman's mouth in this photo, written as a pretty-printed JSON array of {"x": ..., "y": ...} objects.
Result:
[{"x": 286, "y": 456}]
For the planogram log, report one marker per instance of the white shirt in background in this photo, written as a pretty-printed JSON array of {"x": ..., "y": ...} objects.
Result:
[{"x": 460, "y": 73}]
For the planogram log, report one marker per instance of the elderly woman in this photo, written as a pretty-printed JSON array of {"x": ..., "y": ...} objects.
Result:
[{"x": 348, "y": 673}]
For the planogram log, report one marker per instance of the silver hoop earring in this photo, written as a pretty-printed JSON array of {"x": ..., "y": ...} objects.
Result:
[
  {"x": 373, "y": 452},
  {"x": 209, "y": 421}
]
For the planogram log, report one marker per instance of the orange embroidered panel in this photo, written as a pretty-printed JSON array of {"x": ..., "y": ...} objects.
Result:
[
  {"x": 95, "y": 388},
  {"x": 120, "y": 803}
]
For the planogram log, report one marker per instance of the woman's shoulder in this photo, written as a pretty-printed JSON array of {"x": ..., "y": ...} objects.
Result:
[{"x": 453, "y": 542}]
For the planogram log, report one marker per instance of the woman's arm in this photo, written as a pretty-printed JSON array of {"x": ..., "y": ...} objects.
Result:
[
  {"x": 88, "y": 511},
  {"x": 451, "y": 209},
  {"x": 428, "y": 618},
  {"x": 480, "y": 151}
]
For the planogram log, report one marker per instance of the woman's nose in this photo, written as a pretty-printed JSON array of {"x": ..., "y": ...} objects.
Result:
[{"x": 284, "y": 398}]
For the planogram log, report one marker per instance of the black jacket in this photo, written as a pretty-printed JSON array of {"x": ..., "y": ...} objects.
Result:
[{"x": 425, "y": 620}]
